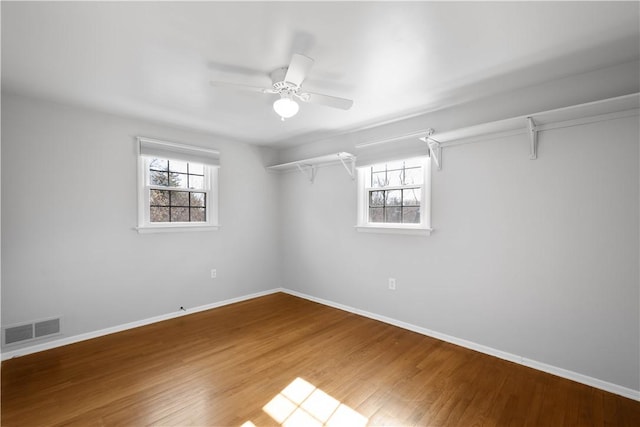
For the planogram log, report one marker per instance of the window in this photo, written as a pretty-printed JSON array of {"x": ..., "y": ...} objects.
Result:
[
  {"x": 177, "y": 186},
  {"x": 394, "y": 196}
]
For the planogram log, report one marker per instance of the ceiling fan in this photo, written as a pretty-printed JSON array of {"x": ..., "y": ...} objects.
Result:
[{"x": 287, "y": 82}]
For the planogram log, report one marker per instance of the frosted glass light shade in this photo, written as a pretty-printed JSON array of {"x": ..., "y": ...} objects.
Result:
[{"x": 286, "y": 107}]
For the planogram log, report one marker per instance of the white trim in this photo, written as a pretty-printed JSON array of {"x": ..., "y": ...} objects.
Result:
[
  {"x": 540, "y": 366},
  {"x": 119, "y": 328},
  {"x": 554, "y": 370},
  {"x": 393, "y": 230},
  {"x": 319, "y": 160},
  {"x": 189, "y": 153},
  {"x": 309, "y": 166},
  {"x": 211, "y": 189},
  {"x": 362, "y": 221},
  {"x": 175, "y": 228}
]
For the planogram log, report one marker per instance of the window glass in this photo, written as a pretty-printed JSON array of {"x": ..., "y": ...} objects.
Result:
[
  {"x": 173, "y": 202},
  {"x": 394, "y": 193},
  {"x": 177, "y": 166},
  {"x": 196, "y": 181},
  {"x": 177, "y": 187}
]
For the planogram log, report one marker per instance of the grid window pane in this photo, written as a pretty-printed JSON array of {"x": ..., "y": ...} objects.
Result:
[
  {"x": 159, "y": 198},
  {"x": 178, "y": 180},
  {"x": 393, "y": 198},
  {"x": 378, "y": 179},
  {"x": 158, "y": 178},
  {"x": 196, "y": 168},
  {"x": 175, "y": 202},
  {"x": 379, "y": 167},
  {"x": 198, "y": 199},
  {"x": 411, "y": 197},
  {"x": 376, "y": 198},
  {"x": 411, "y": 215},
  {"x": 394, "y": 177},
  {"x": 395, "y": 193},
  {"x": 159, "y": 214},
  {"x": 413, "y": 176},
  {"x": 198, "y": 215},
  {"x": 413, "y": 163},
  {"x": 393, "y": 214},
  {"x": 376, "y": 214},
  {"x": 395, "y": 165},
  {"x": 159, "y": 164},
  {"x": 179, "y": 214},
  {"x": 180, "y": 198},
  {"x": 178, "y": 166},
  {"x": 196, "y": 181},
  {"x": 177, "y": 206}
]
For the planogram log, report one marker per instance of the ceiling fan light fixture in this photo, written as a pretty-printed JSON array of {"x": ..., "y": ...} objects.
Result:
[
  {"x": 286, "y": 107},
  {"x": 287, "y": 82}
]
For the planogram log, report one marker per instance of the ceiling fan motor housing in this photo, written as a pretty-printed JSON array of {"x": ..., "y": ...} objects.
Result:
[{"x": 280, "y": 86}]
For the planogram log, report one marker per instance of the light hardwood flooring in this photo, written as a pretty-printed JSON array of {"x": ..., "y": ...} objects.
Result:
[{"x": 279, "y": 359}]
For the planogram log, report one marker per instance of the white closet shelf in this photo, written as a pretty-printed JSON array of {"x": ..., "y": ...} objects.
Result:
[
  {"x": 531, "y": 124},
  {"x": 308, "y": 166},
  {"x": 626, "y": 105},
  {"x": 313, "y": 161},
  {"x": 605, "y": 109}
]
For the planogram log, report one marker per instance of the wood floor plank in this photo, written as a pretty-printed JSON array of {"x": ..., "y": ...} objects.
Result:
[{"x": 236, "y": 363}]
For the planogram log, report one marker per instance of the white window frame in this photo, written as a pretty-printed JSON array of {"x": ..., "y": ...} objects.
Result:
[
  {"x": 423, "y": 228},
  {"x": 182, "y": 153}
]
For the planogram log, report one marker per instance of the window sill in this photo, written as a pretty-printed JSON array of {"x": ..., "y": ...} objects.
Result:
[
  {"x": 175, "y": 228},
  {"x": 394, "y": 230}
]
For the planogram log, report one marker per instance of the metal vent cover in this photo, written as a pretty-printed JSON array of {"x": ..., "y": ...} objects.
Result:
[
  {"x": 31, "y": 331},
  {"x": 18, "y": 333},
  {"x": 46, "y": 327}
]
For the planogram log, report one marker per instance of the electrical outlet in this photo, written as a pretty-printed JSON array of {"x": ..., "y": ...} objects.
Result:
[
  {"x": 214, "y": 273},
  {"x": 392, "y": 284}
]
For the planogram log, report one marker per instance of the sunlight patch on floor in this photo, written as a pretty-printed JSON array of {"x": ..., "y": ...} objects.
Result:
[{"x": 303, "y": 404}]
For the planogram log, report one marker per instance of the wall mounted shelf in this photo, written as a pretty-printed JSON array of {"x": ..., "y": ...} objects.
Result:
[
  {"x": 309, "y": 166},
  {"x": 532, "y": 124}
]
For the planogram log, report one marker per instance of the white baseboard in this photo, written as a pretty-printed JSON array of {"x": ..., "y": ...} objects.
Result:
[
  {"x": 564, "y": 373},
  {"x": 560, "y": 372},
  {"x": 89, "y": 335}
]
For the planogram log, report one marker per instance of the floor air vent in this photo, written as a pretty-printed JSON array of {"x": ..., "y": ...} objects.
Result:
[
  {"x": 30, "y": 331},
  {"x": 18, "y": 333}
]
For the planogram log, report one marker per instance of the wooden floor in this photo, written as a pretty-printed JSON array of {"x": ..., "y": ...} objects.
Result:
[{"x": 283, "y": 360}]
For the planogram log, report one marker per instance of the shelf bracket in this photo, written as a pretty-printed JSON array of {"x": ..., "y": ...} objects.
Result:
[
  {"x": 351, "y": 170},
  {"x": 533, "y": 138},
  {"x": 308, "y": 170},
  {"x": 435, "y": 149}
]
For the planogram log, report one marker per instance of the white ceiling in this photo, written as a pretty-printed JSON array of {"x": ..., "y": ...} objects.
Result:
[{"x": 154, "y": 59}]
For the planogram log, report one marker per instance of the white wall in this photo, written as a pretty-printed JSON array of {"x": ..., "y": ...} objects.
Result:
[
  {"x": 535, "y": 258},
  {"x": 538, "y": 258},
  {"x": 68, "y": 212}
]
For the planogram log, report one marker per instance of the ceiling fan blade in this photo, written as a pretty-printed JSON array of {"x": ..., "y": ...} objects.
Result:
[
  {"x": 329, "y": 101},
  {"x": 241, "y": 87},
  {"x": 298, "y": 69}
]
